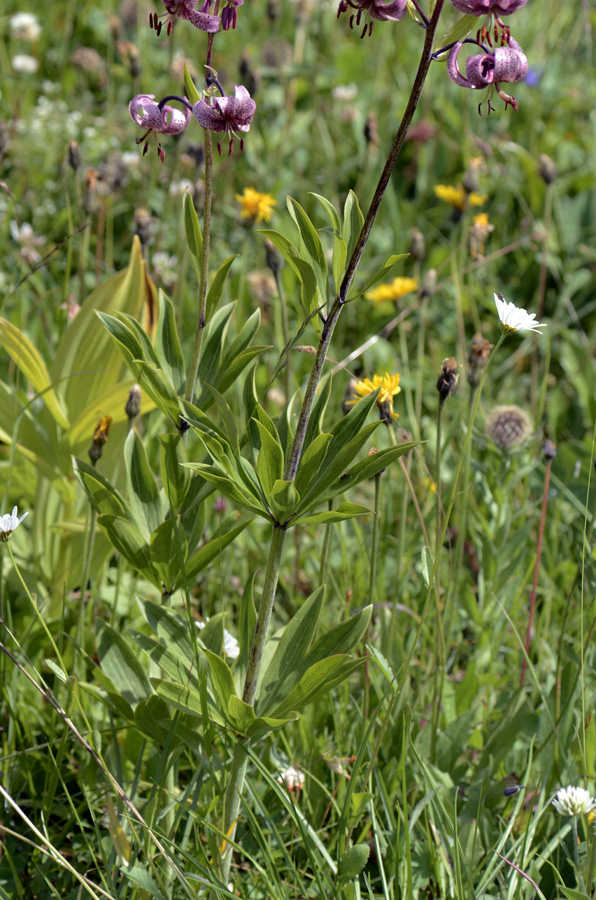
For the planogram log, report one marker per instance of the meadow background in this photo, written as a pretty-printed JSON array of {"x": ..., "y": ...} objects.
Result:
[{"x": 407, "y": 763}]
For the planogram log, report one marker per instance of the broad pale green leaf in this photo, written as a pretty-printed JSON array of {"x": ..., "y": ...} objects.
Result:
[
  {"x": 102, "y": 494},
  {"x": 227, "y": 418},
  {"x": 343, "y": 511},
  {"x": 87, "y": 354},
  {"x": 121, "y": 665},
  {"x": 28, "y": 359},
  {"x": 154, "y": 382},
  {"x": 211, "y": 355},
  {"x": 262, "y": 725},
  {"x": 141, "y": 879},
  {"x": 111, "y": 403},
  {"x": 352, "y": 862},
  {"x": 167, "y": 344},
  {"x": 215, "y": 292},
  {"x": 241, "y": 715},
  {"x": 180, "y": 696},
  {"x": 128, "y": 541},
  {"x": 228, "y": 488},
  {"x": 330, "y": 210},
  {"x": 169, "y": 658},
  {"x": 144, "y": 499},
  {"x": 152, "y": 716}
]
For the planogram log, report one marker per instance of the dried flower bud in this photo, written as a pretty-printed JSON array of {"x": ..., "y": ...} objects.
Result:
[
  {"x": 371, "y": 131},
  {"x": 549, "y": 449},
  {"x": 133, "y": 404},
  {"x": 74, "y": 155},
  {"x": 273, "y": 257},
  {"x": 448, "y": 377},
  {"x": 547, "y": 168},
  {"x": 417, "y": 244},
  {"x": 100, "y": 437},
  {"x": 471, "y": 180},
  {"x": 429, "y": 283},
  {"x": 508, "y": 426},
  {"x": 477, "y": 358}
]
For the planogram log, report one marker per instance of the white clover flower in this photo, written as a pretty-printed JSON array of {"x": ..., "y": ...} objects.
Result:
[
  {"x": 293, "y": 778},
  {"x": 26, "y": 26},
  {"x": 8, "y": 523},
  {"x": 573, "y": 801},
  {"x": 515, "y": 319},
  {"x": 231, "y": 645},
  {"x": 25, "y": 64}
]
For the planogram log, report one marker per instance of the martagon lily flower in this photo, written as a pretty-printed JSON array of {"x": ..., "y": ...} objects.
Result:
[
  {"x": 8, "y": 523},
  {"x": 373, "y": 11},
  {"x": 157, "y": 118},
  {"x": 483, "y": 7},
  {"x": 513, "y": 318},
  {"x": 229, "y": 114},
  {"x": 186, "y": 9},
  {"x": 507, "y": 63},
  {"x": 229, "y": 15}
]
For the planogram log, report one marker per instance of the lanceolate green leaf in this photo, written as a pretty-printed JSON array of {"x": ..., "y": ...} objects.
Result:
[
  {"x": 353, "y": 222},
  {"x": 319, "y": 679},
  {"x": 167, "y": 344},
  {"x": 343, "y": 511},
  {"x": 311, "y": 246},
  {"x": 367, "y": 468},
  {"x": 103, "y": 495},
  {"x": 194, "y": 238},
  {"x": 379, "y": 275},
  {"x": 229, "y": 531},
  {"x": 128, "y": 541},
  {"x": 121, "y": 665},
  {"x": 215, "y": 292},
  {"x": 143, "y": 492},
  {"x": 175, "y": 478},
  {"x": 28, "y": 359}
]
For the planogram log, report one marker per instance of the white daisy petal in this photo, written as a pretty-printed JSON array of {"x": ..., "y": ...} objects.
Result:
[
  {"x": 8, "y": 523},
  {"x": 573, "y": 801},
  {"x": 513, "y": 318}
]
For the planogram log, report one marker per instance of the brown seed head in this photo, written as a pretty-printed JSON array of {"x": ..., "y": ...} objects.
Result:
[
  {"x": 508, "y": 426},
  {"x": 448, "y": 377},
  {"x": 477, "y": 358}
]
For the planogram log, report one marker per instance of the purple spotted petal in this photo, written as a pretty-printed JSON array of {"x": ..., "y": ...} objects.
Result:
[
  {"x": 226, "y": 113},
  {"x": 511, "y": 63},
  {"x": 482, "y": 7},
  {"x": 453, "y": 69},
  {"x": 186, "y": 9},
  {"x": 175, "y": 120},
  {"x": 145, "y": 112},
  {"x": 387, "y": 12}
]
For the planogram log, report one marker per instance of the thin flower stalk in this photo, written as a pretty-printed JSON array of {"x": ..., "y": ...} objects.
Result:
[
  {"x": 530, "y": 628},
  {"x": 235, "y": 787}
]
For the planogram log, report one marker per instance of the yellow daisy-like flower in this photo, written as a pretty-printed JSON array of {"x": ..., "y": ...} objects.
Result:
[
  {"x": 457, "y": 197},
  {"x": 395, "y": 289},
  {"x": 389, "y": 385},
  {"x": 255, "y": 206}
]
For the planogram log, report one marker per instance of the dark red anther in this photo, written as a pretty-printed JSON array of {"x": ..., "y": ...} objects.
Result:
[
  {"x": 241, "y": 144},
  {"x": 170, "y": 27},
  {"x": 161, "y": 153},
  {"x": 231, "y": 145},
  {"x": 219, "y": 147}
]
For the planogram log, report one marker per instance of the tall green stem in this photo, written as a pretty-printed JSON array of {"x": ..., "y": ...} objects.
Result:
[{"x": 204, "y": 272}]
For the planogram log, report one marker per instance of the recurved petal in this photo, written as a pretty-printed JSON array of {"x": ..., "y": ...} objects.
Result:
[
  {"x": 209, "y": 116},
  {"x": 145, "y": 112},
  {"x": 480, "y": 69},
  {"x": 384, "y": 12},
  {"x": 203, "y": 21},
  {"x": 244, "y": 107},
  {"x": 175, "y": 120},
  {"x": 453, "y": 69},
  {"x": 511, "y": 63}
]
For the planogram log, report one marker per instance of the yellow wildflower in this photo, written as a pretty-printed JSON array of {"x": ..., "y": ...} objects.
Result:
[
  {"x": 389, "y": 385},
  {"x": 397, "y": 288},
  {"x": 255, "y": 206},
  {"x": 479, "y": 231},
  {"x": 457, "y": 196}
]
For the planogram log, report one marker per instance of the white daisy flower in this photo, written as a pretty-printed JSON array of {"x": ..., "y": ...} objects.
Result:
[
  {"x": 231, "y": 645},
  {"x": 515, "y": 319},
  {"x": 293, "y": 778},
  {"x": 573, "y": 801},
  {"x": 26, "y": 26},
  {"x": 24, "y": 63},
  {"x": 8, "y": 523}
]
